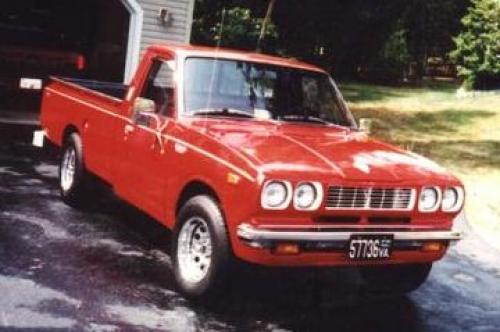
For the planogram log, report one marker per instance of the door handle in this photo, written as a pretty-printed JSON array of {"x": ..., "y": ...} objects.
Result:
[{"x": 128, "y": 129}]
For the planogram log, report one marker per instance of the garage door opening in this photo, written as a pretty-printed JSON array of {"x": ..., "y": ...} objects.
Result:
[{"x": 84, "y": 39}]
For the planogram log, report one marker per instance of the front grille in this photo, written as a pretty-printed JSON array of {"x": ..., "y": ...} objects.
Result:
[{"x": 370, "y": 198}]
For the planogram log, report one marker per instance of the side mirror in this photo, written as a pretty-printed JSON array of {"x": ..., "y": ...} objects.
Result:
[
  {"x": 144, "y": 105},
  {"x": 365, "y": 125},
  {"x": 143, "y": 111}
]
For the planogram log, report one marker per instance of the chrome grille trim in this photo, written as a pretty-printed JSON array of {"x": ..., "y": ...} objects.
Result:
[{"x": 370, "y": 198}]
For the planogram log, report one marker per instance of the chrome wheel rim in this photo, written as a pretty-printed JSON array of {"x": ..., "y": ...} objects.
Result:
[
  {"x": 194, "y": 250},
  {"x": 68, "y": 167}
]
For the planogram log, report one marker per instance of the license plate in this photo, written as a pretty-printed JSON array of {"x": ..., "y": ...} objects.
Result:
[
  {"x": 370, "y": 247},
  {"x": 38, "y": 138},
  {"x": 30, "y": 83}
]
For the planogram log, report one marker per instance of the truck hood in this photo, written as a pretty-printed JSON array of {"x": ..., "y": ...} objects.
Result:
[{"x": 277, "y": 148}]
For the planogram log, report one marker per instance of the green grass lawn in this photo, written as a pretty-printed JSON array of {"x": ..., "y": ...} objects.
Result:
[{"x": 463, "y": 134}]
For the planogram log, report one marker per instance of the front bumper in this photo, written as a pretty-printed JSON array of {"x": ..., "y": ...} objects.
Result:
[
  {"x": 328, "y": 245},
  {"x": 264, "y": 237},
  {"x": 324, "y": 246}
]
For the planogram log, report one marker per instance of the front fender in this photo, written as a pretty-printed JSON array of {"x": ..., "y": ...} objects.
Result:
[{"x": 236, "y": 194}]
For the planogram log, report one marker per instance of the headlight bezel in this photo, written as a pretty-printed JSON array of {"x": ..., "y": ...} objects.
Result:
[
  {"x": 316, "y": 203},
  {"x": 459, "y": 201},
  {"x": 288, "y": 197},
  {"x": 437, "y": 203}
]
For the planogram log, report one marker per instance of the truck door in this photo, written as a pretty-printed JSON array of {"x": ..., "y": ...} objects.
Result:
[{"x": 144, "y": 161}]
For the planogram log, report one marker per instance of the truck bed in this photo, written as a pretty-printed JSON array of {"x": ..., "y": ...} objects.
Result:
[
  {"x": 111, "y": 89},
  {"x": 75, "y": 101},
  {"x": 12, "y": 112},
  {"x": 88, "y": 107}
]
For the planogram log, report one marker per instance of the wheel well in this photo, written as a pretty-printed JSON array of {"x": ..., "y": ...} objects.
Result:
[
  {"x": 192, "y": 189},
  {"x": 67, "y": 132}
]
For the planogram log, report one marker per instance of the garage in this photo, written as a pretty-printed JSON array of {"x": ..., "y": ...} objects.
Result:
[{"x": 90, "y": 39}]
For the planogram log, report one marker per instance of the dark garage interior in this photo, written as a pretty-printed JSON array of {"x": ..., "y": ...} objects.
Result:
[{"x": 82, "y": 38}]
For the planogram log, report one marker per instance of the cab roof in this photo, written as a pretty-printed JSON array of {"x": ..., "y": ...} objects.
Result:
[{"x": 186, "y": 50}]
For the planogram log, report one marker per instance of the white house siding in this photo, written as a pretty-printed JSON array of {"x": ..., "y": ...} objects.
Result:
[{"x": 178, "y": 29}]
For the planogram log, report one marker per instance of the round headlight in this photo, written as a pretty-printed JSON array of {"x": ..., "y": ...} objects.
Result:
[
  {"x": 305, "y": 196},
  {"x": 275, "y": 195},
  {"x": 429, "y": 199},
  {"x": 308, "y": 196},
  {"x": 452, "y": 199}
]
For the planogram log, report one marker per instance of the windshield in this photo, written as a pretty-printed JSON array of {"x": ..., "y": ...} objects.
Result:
[{"x": 215, "y": 87}]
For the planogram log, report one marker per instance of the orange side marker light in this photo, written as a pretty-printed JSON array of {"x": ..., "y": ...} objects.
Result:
[
  {"x": 233, "y": 178},
  {"x": 432, "y": 246},
  {"x": 287, "y": 249}
]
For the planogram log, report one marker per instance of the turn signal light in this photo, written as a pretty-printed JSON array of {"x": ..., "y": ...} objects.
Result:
[
  {"x": 287, "y": 249},
  {"x": 433, "y": 246}
]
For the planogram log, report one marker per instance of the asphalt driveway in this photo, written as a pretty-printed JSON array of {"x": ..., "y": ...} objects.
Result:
[{"x": 107, "y": 269}]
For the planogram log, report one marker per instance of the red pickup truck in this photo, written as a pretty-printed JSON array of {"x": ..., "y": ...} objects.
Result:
[{"x": 253, "y": 158}]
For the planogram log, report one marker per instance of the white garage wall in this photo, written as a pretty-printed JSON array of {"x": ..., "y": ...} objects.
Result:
[
  {"x": 179, "y": 29},
  {"x": 147, "y": 28}
]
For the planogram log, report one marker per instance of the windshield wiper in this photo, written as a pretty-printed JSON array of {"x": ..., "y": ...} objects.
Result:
[
  {"x": 304, "y": 118},
  {"x": 222, "y": 111}
]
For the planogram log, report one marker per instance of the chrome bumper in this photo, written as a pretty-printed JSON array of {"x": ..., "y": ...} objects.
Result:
[{"x": 255, "y": 235}]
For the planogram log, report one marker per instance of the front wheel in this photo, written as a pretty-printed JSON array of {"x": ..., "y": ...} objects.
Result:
[
  {"x": 394, "y": 279},
  {"x": 200, "y": 250}
]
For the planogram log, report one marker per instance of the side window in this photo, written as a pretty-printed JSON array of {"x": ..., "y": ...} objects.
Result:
[{"x": 159, "y": 86}]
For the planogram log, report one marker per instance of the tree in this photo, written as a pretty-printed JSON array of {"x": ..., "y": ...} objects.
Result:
[
  {"x": 235, "y": 27},
  {"x": 477, "y": 51},
  {"x": 389, "y": 66},
  {"x": 339, "y": 35},
  {"x": 378, "y": 38},
  {"x": 430, "y": 25}
]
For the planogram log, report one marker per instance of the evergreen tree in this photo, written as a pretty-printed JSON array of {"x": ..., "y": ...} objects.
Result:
[{"x": 477, "y": 51}]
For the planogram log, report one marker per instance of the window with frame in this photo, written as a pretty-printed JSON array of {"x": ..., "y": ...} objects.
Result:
[{"x": 160, "y": 87}]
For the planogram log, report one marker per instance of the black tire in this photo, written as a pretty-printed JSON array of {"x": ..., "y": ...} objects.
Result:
[
  {"x": 197, "y": 209},
  {"x": 76, "y": 192},
  {"x": 394, "y": 279}
]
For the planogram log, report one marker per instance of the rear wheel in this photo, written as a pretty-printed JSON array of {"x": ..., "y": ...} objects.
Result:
[
  {"x": 200, "y": 254},
  {"x": 74, "y": 181},
  {"x": 394, "y": 279}
]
